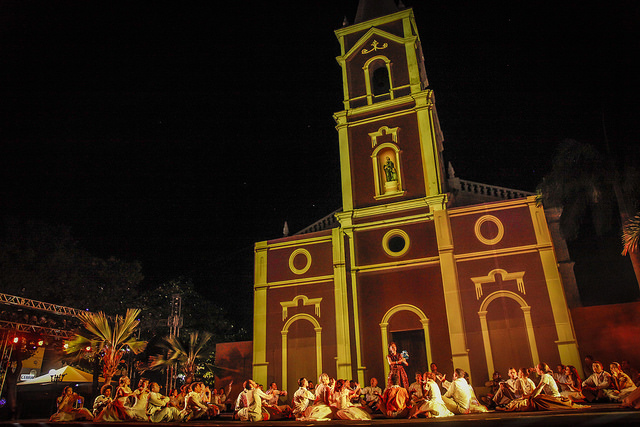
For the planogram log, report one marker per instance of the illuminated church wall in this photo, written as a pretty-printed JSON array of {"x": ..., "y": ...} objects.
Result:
[
  {"x": 475, "y": 287},
  {"x": 500, "y": 272},
  {"x": 400, "y": 132}
]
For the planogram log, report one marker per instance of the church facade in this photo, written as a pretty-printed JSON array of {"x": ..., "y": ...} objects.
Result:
[{"x": 476, "y": 287}]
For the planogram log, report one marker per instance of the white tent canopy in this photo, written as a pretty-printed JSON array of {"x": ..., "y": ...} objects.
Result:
[{"x": 66, "y": 374}]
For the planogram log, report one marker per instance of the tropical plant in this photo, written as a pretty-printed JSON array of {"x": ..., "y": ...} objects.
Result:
[
  {"x": 583, "y": 181},
  {"x": 631, "y": 235},
  {"x": 107, "y": 342},
  {"x": 577, "y": 183},
  {"x": 183, "y": 357}
]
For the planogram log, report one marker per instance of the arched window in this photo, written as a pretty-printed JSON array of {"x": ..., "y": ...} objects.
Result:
[
  {"x": 380, "y": 81},
  {"x": 377, "y": 74}
]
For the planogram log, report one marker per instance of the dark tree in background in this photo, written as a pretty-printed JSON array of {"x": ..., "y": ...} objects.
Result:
[
  {"x": 199, "y": 313},
  {"x": 45, "y": 263},
  {"x": 597, "y": 195}
]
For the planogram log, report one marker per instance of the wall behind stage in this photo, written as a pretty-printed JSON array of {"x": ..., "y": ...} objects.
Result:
[
  {"x": 234, "y": 361},
  {"x": 609, "y": 333}
]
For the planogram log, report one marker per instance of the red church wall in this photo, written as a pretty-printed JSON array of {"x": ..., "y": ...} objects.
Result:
[
  {"x": 422, "y": 244},
  {"x": 363, "y": 184},
  {"x": 535, "y": 295},
  {"x": 609, "y": 333},
  {"x": 518, "y": 229},
  {"x": 380, "y": 291},
  {"x": 321, "y": 261}
]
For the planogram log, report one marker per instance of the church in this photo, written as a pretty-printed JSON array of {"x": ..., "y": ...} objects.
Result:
[{"x": 455, "y": 273}]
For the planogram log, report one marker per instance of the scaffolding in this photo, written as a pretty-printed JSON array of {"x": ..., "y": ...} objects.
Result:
[
  {"x": 38, "y": 305},
  {"x": 9, "y": 327}
]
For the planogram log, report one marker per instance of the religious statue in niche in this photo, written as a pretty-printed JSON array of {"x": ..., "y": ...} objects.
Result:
[
  {"x": 390, "y": 170},
  {"x": 390, "y": 174}
]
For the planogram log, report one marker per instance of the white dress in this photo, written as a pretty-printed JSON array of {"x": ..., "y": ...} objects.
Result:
[
  {"x": 139, "y": 411},
  {"x": 347, "y": 410},
  {"x": 321, "y": 409},
  {"x": 433, "y": 402},
  {"x": 159, "y": 411},
  {"x": 301, "y": 399}
]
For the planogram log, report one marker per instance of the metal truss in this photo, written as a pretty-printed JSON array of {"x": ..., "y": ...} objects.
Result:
[
  {"x": 39, "y": 305},
  {"x": 42, "y": 330}
]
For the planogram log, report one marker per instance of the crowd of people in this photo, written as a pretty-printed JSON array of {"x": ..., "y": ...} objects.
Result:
[
  {"x": 520, "y": 393},
  {"x": 145, "y": 403},
  {"x": 430, "y": 395}
]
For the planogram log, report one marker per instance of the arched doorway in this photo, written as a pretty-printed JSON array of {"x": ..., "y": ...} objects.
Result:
[
  {"x": 417, "y": 339},
  {"x": 301, "y": 350},
  {"x": 507, "y": 332}
]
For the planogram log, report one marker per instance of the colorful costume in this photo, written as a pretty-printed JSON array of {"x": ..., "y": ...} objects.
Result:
[
  {"x": 396, "y": 368},
  {"x": 393, "y": 402}
]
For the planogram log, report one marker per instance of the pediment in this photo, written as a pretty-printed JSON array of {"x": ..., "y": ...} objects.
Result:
[{"x": 366, "y": 42}]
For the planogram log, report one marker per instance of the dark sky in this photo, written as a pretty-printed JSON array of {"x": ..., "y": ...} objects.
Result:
[{"x": 180, "y": 135}]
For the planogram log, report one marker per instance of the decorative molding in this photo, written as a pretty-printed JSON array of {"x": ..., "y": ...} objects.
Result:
[
  {"x": 391, "y": 234},
  {"x": 497, "y": 222},
  {"x": 491, "y": 278},
  {"x": 300, "y": 251},
  {"x": 294, "y": 303},
  {"x": 384, "y": 130},
  {"x": 298, "y": 282},
  {"x": 375, "y": 47}
]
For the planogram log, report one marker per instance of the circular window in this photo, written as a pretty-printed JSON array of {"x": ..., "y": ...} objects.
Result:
[
  {"x": 300, "y": 261},
  {"x": 492, "y": 231},
  {"x": 395, "y": 243}
]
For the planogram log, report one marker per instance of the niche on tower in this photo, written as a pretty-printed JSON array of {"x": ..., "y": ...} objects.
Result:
[{"x": 386, "y": 161}]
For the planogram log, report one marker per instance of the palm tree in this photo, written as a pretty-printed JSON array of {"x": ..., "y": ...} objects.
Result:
[
  {"x": 630, "y": 239},
  {"x": 108, "y": 343},
  {"x": 184, "y": 357},
  {"x": 577, "y": 184},
  {"x": 584, "y": 181},
  {"x": 631, "y": 235}
]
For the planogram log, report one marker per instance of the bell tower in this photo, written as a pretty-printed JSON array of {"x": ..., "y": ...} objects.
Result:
[{"x": 389, "y": 135}]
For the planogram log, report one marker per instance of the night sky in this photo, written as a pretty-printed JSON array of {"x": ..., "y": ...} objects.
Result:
[{"x": 180, "y": 135}]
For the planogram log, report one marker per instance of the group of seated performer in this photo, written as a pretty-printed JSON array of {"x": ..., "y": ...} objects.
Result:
[
  {"x": 370, "y": 395},
  {"x": 70, "y": 407},
  {"x": 431, "y": 403},
  {"x": 253, "y": 404},
  {"x": 219, "y": 397},
  {"x": 530, "y": 397},
  {"x": 460, "y": 397},
  {"x": 599, "y": 386},
  {"x": 146, "y": 403},
  {"x": 343, "y": 399}
]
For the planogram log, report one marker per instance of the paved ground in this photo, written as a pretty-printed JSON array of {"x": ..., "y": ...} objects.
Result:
[{"x": 597, "y": 415}]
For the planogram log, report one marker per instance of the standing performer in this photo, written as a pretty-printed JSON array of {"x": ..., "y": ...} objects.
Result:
[{"x": 396, "y": 361}]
